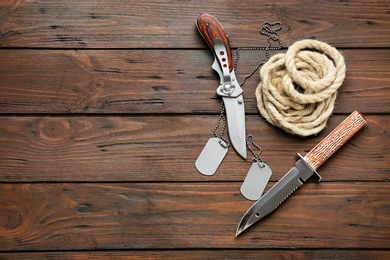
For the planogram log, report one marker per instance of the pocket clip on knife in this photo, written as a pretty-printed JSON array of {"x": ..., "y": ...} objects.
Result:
[
  {"x": 229, "y": 89},
  {"x": 304, "y": 168}
]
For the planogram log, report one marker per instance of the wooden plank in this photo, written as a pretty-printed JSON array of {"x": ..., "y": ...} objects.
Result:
[
  {"x": 164, "y": 148},
  {"x": 158, "y": 81},
  {"x": 207, "y": 254},
  {"x": 188, "y": 216},
  {"x": 161, "y": 24}
]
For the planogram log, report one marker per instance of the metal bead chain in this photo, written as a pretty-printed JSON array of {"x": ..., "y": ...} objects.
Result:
[
  {"x": 257, "y": 157},
  {"x": 268, "y": 29},
  {"x": 223, "y": 119}
]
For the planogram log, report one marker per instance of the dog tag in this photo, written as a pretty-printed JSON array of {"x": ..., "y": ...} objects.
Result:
[
  {"x": 256, "y": 180},
  {"x": 211, "y": 156}
]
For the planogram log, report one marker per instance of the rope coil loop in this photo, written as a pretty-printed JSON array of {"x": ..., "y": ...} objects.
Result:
[{"x": 298, "y": 89}]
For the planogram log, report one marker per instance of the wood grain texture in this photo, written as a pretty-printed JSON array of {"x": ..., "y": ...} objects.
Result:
[
  {"x": 337, "y": 138},
  {"x": 172, "y": 216},
  {"x": 330, "y": 254},
  {"x": 158, "y": 24},
  {"x": 166, "y": 148},
  {"x": 159, "y": 81}
]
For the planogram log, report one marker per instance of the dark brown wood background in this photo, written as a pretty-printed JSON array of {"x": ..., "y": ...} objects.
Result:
[{"x": 105, "y": 106}]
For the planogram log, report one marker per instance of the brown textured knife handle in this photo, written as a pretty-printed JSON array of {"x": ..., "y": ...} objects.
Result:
[
  {"x": 209, "y": 27},
  {"x": 337, "y": 138}
]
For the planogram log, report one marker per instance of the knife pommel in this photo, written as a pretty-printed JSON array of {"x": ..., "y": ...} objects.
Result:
[
  {"x": 337, "y": 138},
  {"x": 209, "y": 27}
]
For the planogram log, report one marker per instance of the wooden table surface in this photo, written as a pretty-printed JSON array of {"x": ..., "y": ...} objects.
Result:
[{"x": 105, "y": 106}]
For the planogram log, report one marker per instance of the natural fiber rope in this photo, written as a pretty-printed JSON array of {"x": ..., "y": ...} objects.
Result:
[{"x": 298, "y": 89}]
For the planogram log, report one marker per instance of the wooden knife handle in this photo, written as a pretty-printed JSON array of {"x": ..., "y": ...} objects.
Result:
[
  {"x": 337, "y": 138},
  {"x": 209, "y": 27}
]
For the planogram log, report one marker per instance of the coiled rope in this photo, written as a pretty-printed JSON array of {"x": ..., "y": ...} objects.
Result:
[{"x": 298, "y": 89}]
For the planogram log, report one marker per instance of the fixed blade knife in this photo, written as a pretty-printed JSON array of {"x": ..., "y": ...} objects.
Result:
[
  {"x": 304, "y": 168},
  {"x": 229, "y": 89}
]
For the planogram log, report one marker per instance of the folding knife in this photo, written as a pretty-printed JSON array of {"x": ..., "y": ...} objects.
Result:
[
  {"x": 304, "y": 168},
  {"x": 229, "y": 89}
]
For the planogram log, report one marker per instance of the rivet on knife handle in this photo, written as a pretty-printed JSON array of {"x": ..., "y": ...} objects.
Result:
[{"x": 337, "y": 138}]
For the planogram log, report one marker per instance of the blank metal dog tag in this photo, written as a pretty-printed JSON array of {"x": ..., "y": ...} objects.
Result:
[
  {"x": 211, "y": 156},
  {"x": 256, "y": 180}
]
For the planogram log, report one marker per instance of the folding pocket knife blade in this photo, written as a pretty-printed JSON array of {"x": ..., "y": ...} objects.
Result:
[{"x": 229, "y": 89}]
